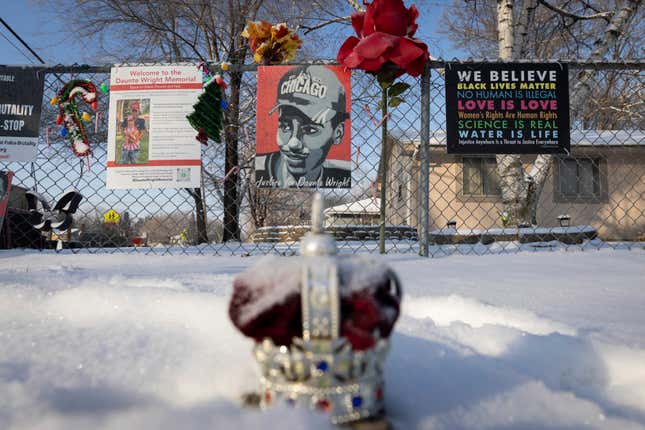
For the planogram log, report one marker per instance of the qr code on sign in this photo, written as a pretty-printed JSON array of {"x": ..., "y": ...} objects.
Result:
[{"x": 183, "y": 174}]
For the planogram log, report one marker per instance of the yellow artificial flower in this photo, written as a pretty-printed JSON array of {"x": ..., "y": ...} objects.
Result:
[{"x": 271, "y": 44}]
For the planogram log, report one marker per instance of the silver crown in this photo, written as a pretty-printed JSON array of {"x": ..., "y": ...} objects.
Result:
[{"x": 321, "y": 370}]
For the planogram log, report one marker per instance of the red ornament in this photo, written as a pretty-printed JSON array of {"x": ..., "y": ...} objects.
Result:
[
  {"x": 379, "y": 394},
  {"x": 385, "y": 44},
  {"x": 202, "y": 137},
  {"x": 219, "y": 81},
  {"x": 94, "y": 105},
  {"x": 323, "y": 405},
  {"x": 59, "y": 120}
]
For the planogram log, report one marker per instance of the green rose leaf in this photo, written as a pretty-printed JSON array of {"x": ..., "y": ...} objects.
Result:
[
  {"x": 398, "y": 89},
  {"x": 395, "y": 101}
]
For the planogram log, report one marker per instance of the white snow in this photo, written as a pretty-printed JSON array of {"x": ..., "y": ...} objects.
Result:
[
  {"x": 371, "y": 206},
  {"x": 450, "y": 231},
  {"x": 534, "y": 340}
]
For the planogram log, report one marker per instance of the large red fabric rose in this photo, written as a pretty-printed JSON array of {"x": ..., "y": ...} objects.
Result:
[{"x": 385, "y": 43}]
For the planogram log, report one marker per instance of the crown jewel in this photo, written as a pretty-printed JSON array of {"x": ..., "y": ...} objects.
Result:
[{"x": 321, "y": 328}]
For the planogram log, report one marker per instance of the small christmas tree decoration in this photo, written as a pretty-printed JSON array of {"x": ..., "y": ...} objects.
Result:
[
  {"x": 104, "y": 88},
  {"x": 321, "y": 325},
  {"x": 86, "y": 116},
  {"x": 71, "y": 118},
  {"x": 207, "y": 115}
]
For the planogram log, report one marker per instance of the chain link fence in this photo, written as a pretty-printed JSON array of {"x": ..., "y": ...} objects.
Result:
[
  {"x": 437, "y": 203},
  {"x": 592, "y": 197}
]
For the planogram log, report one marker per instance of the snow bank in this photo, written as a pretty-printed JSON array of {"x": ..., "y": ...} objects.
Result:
[
  {"x": 526, "y": 341},
  {"x": 446, "y": 310}
]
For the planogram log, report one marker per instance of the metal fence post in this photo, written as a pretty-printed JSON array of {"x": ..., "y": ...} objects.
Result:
[{"x": 424, "y": 159}]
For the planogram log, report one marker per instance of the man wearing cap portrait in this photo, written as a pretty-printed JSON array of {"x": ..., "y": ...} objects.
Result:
[
  {"x": 311, "y": 104},
  {"x": 133, "y": 128}
]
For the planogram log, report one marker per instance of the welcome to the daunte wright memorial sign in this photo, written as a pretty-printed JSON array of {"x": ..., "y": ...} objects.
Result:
[{"x": 507, "y": 108}]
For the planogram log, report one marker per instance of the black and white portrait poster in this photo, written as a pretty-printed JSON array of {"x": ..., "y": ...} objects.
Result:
[
  {"x": 21, "y": 95},
  {"x": 303, "y": 127}
]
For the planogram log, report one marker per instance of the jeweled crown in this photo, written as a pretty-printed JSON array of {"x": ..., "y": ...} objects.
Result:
[{"x": 347, "y": 310}]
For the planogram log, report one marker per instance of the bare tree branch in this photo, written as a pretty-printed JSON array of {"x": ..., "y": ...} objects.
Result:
[
  {"x": 308, "y": 29},
  {"x": 559, "y": 10},
  {"x": 526, "y": 19}
]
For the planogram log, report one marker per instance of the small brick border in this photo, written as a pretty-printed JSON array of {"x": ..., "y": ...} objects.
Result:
[
  {"x": 568, "y": 238},
  {"x": 275, "y": 234}
]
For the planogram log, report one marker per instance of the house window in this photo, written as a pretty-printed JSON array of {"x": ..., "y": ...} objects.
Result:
[
  {"x": 480, "y": 177},
  {"x": 579, "y": 180}
]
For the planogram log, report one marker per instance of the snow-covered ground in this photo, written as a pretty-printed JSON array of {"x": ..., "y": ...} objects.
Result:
[{"x": 533, "y": 340}]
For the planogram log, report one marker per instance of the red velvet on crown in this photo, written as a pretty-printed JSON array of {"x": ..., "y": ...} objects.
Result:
[{"x": 366, "y": 314}]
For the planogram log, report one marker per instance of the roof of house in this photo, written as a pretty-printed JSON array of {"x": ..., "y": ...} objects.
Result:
[
  {"x": 608, "y": 137},
  {"x": 369, "y": 206}
]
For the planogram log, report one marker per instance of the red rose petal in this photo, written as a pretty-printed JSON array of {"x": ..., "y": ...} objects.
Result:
[
  {"x": 368, "y": 21},
  {"x": 385, "y": 33},
  {"x": 407, "y": 53},
  {"x": 413, "y": 14},
  {"x": 391, "y": 16},
  {"x": 374, "y": 65},
  {"x": 346, "y": 49},
  {"x": 416, "y": 67},
  {"x": 375, "y": 45},
  {"x": 357, "y": 23},
  {"x": 353, "y": 61}
]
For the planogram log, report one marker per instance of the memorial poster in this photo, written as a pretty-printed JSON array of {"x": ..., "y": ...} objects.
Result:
[
  {"x": 507, "y": 108},
  {"x": 150, "y": 142},
  {"x": 303, "y": 128}
]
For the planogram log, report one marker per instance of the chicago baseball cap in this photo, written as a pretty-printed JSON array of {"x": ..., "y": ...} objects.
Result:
[{"x": 313, "y": 90}]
